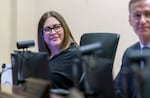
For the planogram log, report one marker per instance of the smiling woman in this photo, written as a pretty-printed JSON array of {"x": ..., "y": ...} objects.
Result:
[{"x": 55, "y": 38}]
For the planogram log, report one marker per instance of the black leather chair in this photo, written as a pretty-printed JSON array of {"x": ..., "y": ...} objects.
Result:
[
  {"x": 98, "y": 79},
  {"x": 109, "y": 42}
]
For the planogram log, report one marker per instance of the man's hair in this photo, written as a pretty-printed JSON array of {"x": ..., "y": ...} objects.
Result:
[{"x": 131, "y": 2}]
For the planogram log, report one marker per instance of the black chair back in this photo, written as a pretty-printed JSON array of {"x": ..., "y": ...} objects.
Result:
[
  {"x": 109, "y": 42},
  {"x": 98, "y": 80}
]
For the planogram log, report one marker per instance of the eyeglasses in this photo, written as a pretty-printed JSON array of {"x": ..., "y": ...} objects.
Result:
[{"x": 56, "y": 28}]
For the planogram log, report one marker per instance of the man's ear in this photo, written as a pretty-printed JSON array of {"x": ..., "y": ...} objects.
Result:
[{"x": 130, "y": 20}]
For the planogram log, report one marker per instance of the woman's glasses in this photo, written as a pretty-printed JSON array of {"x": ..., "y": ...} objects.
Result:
[{"x": 56, "y": 28}]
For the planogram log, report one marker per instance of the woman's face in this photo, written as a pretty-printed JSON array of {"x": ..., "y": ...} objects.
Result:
[{"x": 53, "y": 32}]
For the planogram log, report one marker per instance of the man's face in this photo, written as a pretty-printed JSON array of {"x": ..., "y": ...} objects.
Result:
[{"x": 139, "y": 18}]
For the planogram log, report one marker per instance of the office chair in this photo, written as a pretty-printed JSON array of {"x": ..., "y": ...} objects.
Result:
[
  {"x": 109, "y": 42},
  {"x": 100, "y": 75}
]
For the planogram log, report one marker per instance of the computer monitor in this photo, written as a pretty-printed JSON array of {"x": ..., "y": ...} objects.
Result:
[{"x": 27, "y": 64}]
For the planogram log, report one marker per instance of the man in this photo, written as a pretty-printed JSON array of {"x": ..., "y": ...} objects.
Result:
[{"x": 139, "y": 19}]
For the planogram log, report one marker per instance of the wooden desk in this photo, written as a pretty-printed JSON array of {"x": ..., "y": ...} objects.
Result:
[{"x": 7, "y": 91}]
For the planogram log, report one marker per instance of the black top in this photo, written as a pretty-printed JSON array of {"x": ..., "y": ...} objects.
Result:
[{"x": 61, "y": 69}]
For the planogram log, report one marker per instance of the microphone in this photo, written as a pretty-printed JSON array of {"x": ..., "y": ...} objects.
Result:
[
  {"x": 88, "y": 49},
  {"x": 25, "y": 44}
]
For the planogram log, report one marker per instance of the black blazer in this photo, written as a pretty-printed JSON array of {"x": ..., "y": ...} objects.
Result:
[{"x": 124, "y": 83}]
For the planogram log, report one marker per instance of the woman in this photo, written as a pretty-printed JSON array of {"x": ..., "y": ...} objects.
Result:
[{"x": 55, "y": 38}]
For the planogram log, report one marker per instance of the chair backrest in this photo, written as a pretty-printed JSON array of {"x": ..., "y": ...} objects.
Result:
[
  {"x": 98, "y": 75},
  {"x": 109, "y": 42}
]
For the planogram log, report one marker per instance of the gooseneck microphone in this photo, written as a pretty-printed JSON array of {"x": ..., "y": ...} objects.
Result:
[
  {"x": 86, "y": 49},
  {"x": 94, "y": 48}
]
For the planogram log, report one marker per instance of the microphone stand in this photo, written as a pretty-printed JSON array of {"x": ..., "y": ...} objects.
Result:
[{"x": 21, "y": 80}]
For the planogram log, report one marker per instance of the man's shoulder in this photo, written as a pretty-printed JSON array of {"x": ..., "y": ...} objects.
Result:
[{"x": 134, "y": 46}]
